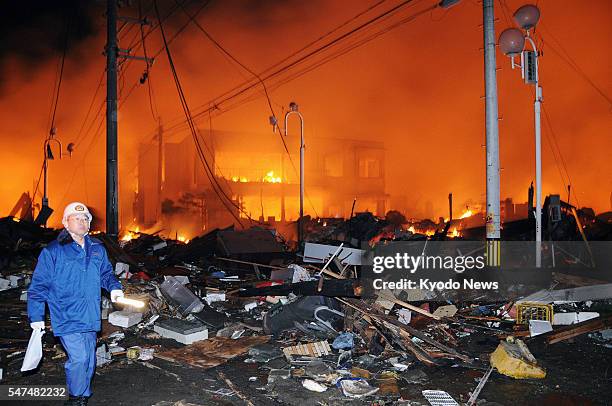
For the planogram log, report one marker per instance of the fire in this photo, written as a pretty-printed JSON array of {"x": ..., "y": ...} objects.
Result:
[
  {"x": 131, "y": 234},
  {"x": 455, "y": 233},
  {"x": 241, "y": 179},
  {"x": 270, "y": 178},
  {"x": 466, "y": 214},
  {"x": 183, "y": 239},
  {"x": 428, "y": 232}
]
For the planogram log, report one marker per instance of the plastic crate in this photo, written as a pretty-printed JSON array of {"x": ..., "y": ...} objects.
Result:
[{"x": 533, "y": 311}]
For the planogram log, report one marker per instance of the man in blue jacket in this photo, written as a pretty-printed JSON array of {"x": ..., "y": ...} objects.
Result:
[{"x": 68, "y": 277}]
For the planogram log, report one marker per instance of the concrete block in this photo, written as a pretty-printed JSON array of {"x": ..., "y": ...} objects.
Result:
[
  {"x": 124, "y": 319},
  {"x": 185, "y": 332}
]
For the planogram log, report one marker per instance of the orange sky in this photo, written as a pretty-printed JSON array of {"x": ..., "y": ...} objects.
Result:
[{"x": 418, "y": 88}]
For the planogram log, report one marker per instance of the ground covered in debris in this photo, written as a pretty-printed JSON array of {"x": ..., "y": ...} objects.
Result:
[
  {"x": 578, "y": 375},
  {"x": 236, "y": 317}
]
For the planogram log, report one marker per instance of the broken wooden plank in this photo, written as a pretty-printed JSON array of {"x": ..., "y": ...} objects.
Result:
[
  {"x": 390, "y": 298},
  {"x": 386, "y": 320},
  {"x": 576, "y": 330},
  {"x": 234, "y": 388}
]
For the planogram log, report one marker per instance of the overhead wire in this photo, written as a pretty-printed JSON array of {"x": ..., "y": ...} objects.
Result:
[
  {"x": 225, "y": 200},
  {"x": 241, "y": 89},
  {"x": 265, "y": 89}
]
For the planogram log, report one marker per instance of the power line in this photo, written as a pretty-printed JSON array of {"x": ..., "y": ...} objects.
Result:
[
  {"x": 382, "y": 17},
  {"x": 61, "y": 76},
  {"x": 241, "y": 89},
  {"x": 147, "y": 74},
  {"x": 209, "y": 172},
  {"x": 228, "y": 54},
  {"x": 574, "y": 66},
  {"x": 553, "y": 136}
]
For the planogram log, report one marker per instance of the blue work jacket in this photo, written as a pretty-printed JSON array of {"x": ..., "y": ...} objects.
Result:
[{"x": 68, "y": 278}]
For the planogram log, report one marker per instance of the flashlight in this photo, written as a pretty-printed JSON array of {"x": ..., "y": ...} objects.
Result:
[{"x": 130, "y": 302}]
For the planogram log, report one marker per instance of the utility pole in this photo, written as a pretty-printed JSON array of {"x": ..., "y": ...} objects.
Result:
[
  {"x": 112, "y": 171},
  {"x": 160, "y": 146},
  {"x": 112, "y": 179},
  {"x": 492, "y": 137}
]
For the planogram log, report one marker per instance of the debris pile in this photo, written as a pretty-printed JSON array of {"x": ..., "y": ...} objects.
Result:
[{"x": 243, "y": 296}]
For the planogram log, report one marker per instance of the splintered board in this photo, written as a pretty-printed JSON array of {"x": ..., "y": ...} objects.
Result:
[
  {"x": 311, "y": 349},
  {"x": 211, "y": 353}
]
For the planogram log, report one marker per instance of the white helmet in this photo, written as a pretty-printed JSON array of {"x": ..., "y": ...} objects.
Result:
[{"x": 76, "y": 208}]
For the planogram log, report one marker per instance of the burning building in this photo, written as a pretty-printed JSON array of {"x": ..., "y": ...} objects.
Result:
[{"x": 260, "y": 178}]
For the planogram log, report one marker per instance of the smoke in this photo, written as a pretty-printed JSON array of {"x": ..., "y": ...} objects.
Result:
[{"x": 416, "y": 88}]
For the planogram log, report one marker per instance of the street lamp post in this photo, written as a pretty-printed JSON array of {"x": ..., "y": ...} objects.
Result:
[
  {"x": 512, "y": 43},
  {"x": 48, "y": 155},
  {"x": 293, "y": 109}
]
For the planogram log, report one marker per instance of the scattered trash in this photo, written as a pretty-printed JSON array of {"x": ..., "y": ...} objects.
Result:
[
  {"x": 513, "y": 358},
  {"x": 565, "y": 319},
  {"x": 183, "y": 331},
  {"x": 472, "y": 400},
  {"x": 316, "y": 349},
  {"x": 146, "y": 354},
  {"x": 439, "y": 398},
  {"x": 313, "y": 386},
  {"x": 446, "y": 311},
  {"x": 133, "y": 353},
  {"x": 344, "y": 341},
  {"x": 356, "y": 387},
  {"x": 176, "y": 292},
  {"x": 124, "y": 319},
  {"x": 212, "y": 297},
  {"x": 103, "y": 355},
  {"x": 404, "y": 316},
  {"x": 537, "y": 327},
  {"x": 223, "y": 293}
]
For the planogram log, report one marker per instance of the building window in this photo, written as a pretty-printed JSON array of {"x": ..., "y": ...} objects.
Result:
[
  {"x": 369, "y": 168},
  {"x": 333, "y": 165}
]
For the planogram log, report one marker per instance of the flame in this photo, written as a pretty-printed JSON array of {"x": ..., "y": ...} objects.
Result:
[
  {"x": 182, "y": 238},
  {"x": 241, "y": 179},
  {"x": 131, "y": 234},
  {"x": 455, "y": 233},
  {"x": 428, "y": 232},
  {"x": 466, "y": 214},
  {"x": 270, "y": 178}
]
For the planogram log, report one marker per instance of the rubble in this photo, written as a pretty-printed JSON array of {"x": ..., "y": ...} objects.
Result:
[
  {"x": 513, "y": 358},
  {"x": 124, "y": 319},
  {"x": 285, "y": 322},
  {"x": 183, "y": 331}
]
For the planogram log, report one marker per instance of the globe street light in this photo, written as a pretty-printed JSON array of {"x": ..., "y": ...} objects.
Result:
[{"x": 512, "y": 43}]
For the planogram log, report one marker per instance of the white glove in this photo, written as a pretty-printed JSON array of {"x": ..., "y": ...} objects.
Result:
[
  {"x": 115, "y": 294},
  {"x": 38, "y": 325}
]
